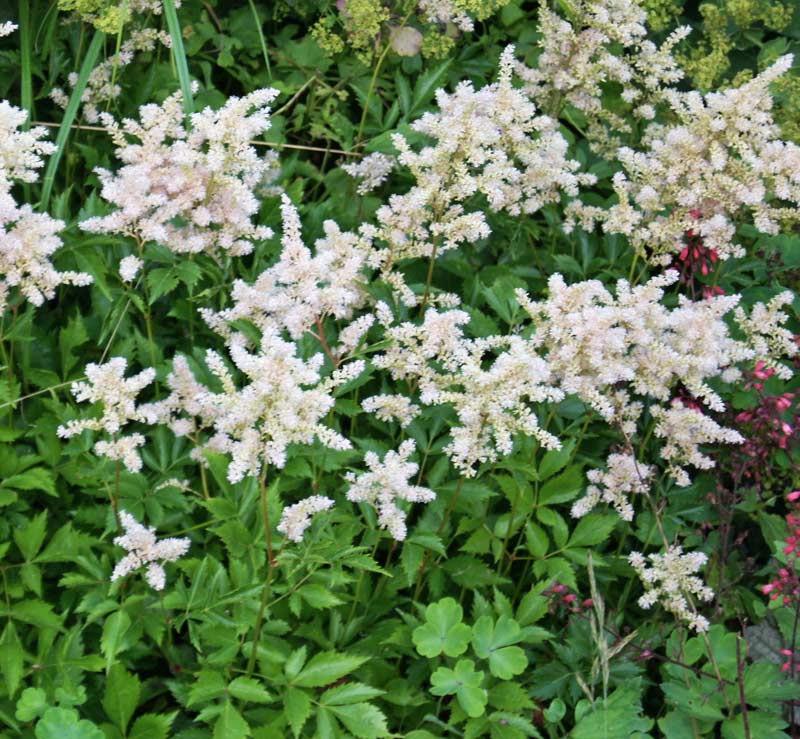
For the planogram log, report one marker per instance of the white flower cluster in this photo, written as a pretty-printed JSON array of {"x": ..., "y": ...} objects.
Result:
[
  {"x": 684, "y": 430},
  {"x": 766, "y": 334},
  {"x": 129, "y": 267},
  {"x": 192, "y": 190},
  {"x": 385, "y": 484},
  {"x": 106, "y": 384},
  {"x": 27, "y": 239},
  {"x": 594, "y": 340},
  {"x": 296, "y": 518},
  {"x": 493, "y": 403},
  {"x": 372, "y": 170},
  {"x": 623, "y": 477},
  {"x": 143, "y": 549},
  {"x": 490, "y": 141},
  {"x": 7, "y": 28},
  {"x": 721, "y": 160},
  {"x": 391, "y": 408},
  {"x": 301, "y": 288},
  {"x": 671, "y": 581},
  {"x": 445, "y": 11},
  {"x": 602, "y": 41},
  {"x": 102, "y": 84},
  {"x": 282, "y": 403}
]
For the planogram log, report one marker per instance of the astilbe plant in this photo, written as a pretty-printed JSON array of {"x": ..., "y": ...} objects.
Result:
[{"x": 354, "y": 388}]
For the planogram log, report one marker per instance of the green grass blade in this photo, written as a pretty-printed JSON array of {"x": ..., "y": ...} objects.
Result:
[
  {"x": 26, "y": 78},
  {"x": 257, "y": 21},
  {"x": 179, "y": 55},
  {"x": 69, "y": 116}
]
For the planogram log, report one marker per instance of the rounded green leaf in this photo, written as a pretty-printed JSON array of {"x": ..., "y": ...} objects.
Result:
[
  {"x": 64, "y": 723},
  {"x": 442, "y": 630}
]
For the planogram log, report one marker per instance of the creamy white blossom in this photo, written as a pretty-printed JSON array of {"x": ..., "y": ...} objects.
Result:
[
  {"x": 144, "y": 551},
  {"x": 372, "y": 171},
  {"x": 129, "y": 267},
  {"x": 191, "y": 190},
  {"x": 623, "y": 477},
  {"x": 385, "y": 484},
  {"x": 296, "y": 518},
  {"x": 107, "y": 385},
  {"x": 391, "y": 408},
  {"x": 670, "y": 580}
]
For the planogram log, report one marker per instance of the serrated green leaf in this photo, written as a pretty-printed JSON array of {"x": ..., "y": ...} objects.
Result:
[
  {"x": 11, "y": 659},
  {"x": 349, "y": 693},
  {"x": 152, "y": 726},
  {"x": 114, "y": 629},
  {"x": 297, "y": 707},
  {"x": 29, "y": 539},
  {"x": 121, "y": 696},
  {"x": 464, "y": 682},
  {"x": 363, "y": 720},
  {"x": 161, "y": 281},
  {"x": 230, "y": 724},
  {"x": 249, "y": 689},
  {"x": 593, "y": 529},
  {"x": 327, "y": 667},
  {"x": 35, "y": 478}
]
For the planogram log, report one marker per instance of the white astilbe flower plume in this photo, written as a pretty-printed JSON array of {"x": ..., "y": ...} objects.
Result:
[
  {"x": 491, "y": 142},
  {"x": 107, "y": 385},
  {"x": 391, "y": 408},
  {"x": 671, "y": 581},
  {"x": 684, "y": 430},
  {"x": 283, "y": 402},
  {"x": 27, "y": 239},
  {"x": 385, "y": 484},
  {"x": 296, "y": 518},
  {"x": 603, "y": 41},
  {"x": 766, "y": 333},
  {"x": 623, "y": 477},
  {"x": 492, "y": 403},
  {"x": 143, "y": 550},
  {"x": 300, "y": 288},
  {"x": 595, "y": 341},
  {"x": 7, "y": 28},
  {"x": 372, "y": 170},
  {"x": 190, "y": 190},
  {"x": 129, "y": 267},
  {"x": 722, "y": 161}
]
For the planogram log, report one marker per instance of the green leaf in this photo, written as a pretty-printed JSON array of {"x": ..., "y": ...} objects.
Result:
[
  {"x": 592, "y": 529},
  {"x": 349, "y": 693},
  {"x": 230, "y": 724},
  {"x": 121, "y": 695},
  {"x": 562, "y": 488},
  {"x": 761, "y": 724},
  {"x": 492, "y": 641},
  {"x": 63, "y": 723},
  {"x": 248, "y": 689},
  {"x": 179, "y": 55},
  {"x": 555, "y": 460},
  {"x": 36, "y": 612},
  {"x": 326, "y": 668},
  {"x": 318, "y": 596},
  {"x": 425, "y": 88},
  {"x": 11, "y": 659},
  {"x": 161, "y": 281},
  {"x": 297, "y": 707},
  {"x": 463, "y": 681},
  {"x": 207, "y": 686},
  {"x": 152, "y": 726},
  {"x": 362, "y": 720},
  {"x": 442, "y": 630},
  {"x": 32, "y": 703},
  {"x": 29, "y": 540},
  {"x": 71, "y": 337},
  {"x": 114, "y": 629},
  {"x": 36, "y": 478}
]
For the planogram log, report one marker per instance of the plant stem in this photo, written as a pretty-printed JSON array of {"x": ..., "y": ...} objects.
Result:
[{"x": 439, "y": 530}]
